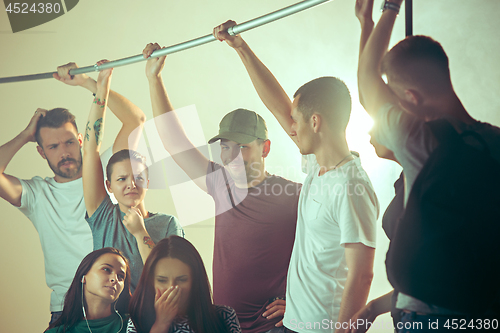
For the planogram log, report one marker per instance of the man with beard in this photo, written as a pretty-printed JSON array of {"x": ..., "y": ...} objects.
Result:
[
  {"x": 256, "y": 212},
  {"x": 55, "y": 205}
]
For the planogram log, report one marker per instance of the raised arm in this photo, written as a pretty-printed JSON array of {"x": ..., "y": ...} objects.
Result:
[
  {"x": 129, "y": 114},
  {"x": 359, "y": 260},
  {"x": 94, "y": 191},
  {"x": 374, "y": 91},
  {"x": 10, "y": 187},
  {"x": 169, "y": 127},
  {"x": 364, "y": 10},
  {"x": 270, "y": 91}
]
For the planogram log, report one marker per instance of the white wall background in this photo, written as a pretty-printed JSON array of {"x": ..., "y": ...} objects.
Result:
[{"x": 320, "y": 41}]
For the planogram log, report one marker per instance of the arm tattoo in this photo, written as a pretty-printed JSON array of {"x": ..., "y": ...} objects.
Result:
[
  {"x": 148, "y": 241},
  {"x": 98, "y": 101},
  {"x": 97, "y": 130},
  {"x": 87, "y": 130}
]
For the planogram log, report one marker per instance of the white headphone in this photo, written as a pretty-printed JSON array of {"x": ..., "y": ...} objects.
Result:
[{"x": 85, "y": 315}]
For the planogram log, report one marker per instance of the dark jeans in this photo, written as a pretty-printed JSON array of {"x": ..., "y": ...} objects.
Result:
[{"x": 413, "y": 322}]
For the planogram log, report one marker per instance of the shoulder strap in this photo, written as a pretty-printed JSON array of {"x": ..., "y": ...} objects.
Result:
[{"x": 228, "y": 188}]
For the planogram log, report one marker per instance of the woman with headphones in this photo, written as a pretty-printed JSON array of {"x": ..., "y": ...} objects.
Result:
[{"x": 97, "y": 300}]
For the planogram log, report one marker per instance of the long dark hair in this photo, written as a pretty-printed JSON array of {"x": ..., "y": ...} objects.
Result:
[
  {"x": 72, "y": 311},
  {"x": 201, "y": 313}
]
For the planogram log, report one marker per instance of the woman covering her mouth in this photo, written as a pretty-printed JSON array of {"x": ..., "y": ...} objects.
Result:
[{"x": 174, "y": 294}]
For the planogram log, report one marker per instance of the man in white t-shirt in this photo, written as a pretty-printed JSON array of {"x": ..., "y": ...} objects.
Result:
[
  {"x": 331, "y": 268},
  {"x": 55, "y": 205}
]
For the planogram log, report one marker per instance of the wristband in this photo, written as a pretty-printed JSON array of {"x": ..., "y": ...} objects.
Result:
[{"x": 390, "y": 5}]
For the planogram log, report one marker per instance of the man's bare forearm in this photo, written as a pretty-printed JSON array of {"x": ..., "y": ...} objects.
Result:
[
  {"x": 169, "y": 128},
  {"x": 10, "y": 186},
  {"x": 9, "y": 149},
  {"x": 366, "y": 30},
  {"x": 159, "y": 97},
  {"x": 372, "y": 88},
  {"x": 173, "y": 135},
  {"x": 377, "y": 43},
  {"x": 267, "y": 86},
  {"x": 354, "y": 297}
]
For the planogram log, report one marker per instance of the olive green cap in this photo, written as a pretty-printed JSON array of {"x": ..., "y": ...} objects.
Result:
[{"x": 241, "y": 126}]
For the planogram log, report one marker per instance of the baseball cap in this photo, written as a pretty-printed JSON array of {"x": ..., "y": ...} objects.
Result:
[{"x": 241, "y": 126}]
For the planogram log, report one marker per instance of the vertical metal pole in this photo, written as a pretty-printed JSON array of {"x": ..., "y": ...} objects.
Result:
[{"x": 409, "y": 17}]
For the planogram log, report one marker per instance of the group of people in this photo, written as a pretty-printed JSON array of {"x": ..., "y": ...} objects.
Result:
[{"x": 297, "y": 261}]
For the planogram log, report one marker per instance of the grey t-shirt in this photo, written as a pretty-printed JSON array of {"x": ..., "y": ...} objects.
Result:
[
  {"x": 108, "y": 231},
  {"x": 412, "y": 143}
]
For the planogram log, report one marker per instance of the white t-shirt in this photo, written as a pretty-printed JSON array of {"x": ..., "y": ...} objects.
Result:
[
  {"x": 336, "y": 208},
  {"x": 57, "y": 211}
]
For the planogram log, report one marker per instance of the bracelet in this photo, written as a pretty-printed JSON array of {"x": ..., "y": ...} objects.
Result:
[{"x": 390, "y": 5}]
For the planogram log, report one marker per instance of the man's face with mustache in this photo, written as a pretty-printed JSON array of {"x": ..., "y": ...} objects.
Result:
[
  {"x": 61, "y": 148},
  {"x": 67, "y": 167}
]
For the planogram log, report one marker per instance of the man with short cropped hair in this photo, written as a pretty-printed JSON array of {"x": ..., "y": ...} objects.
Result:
[
  {"x": 331, "y": 268},
  {"x": 418, "y": 90}
]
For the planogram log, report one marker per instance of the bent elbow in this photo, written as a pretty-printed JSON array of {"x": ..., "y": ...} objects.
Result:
[
  {"x": 141, "y": 119},
  {"x": 366, "y": 278}
]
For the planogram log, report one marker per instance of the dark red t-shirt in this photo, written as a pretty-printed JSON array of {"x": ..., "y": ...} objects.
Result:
[{"x": 253, "y": 244}]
